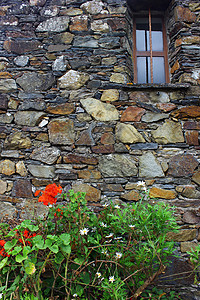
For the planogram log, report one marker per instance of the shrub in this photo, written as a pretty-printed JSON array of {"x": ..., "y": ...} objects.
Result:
[{"x": 74, "y": 253}]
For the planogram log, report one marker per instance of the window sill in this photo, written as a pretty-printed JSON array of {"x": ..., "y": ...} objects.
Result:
[{"x": 136, "y": 86}]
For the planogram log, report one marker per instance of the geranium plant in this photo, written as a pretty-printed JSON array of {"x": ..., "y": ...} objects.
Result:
[{"x": 74, "y": 253}]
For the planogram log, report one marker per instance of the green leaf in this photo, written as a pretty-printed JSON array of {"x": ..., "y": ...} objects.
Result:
[
  {"x": 19, "y": 258},
  {"x": 10, "y": 244},
  {"x": 59, "y": 258},
  {"x": 85, "y": 277},
  {"x": 66, "y": 248},
  {"x": 26, "y": 250},
  {"x": 16, "y": 250},
  {"x": 54, "y": 248},
  {"x": 79, "y": 260},
  {"x": 3, "y": 263},
  {"x": 32, "y": 227},
  {"x": 65, "y": 238},
  {"x": 48, "y": 243},
  {"x": 38, "y": 241},
  {"x": 30, "y": 268}
]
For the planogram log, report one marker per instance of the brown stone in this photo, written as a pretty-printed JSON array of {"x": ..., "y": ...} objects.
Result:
[
  {"x": 139, "y": 96},
  {"x": 61, "y": 131},
  {"x": 41, "y": 182},
  {"x": 21, "y": 169},
  {"x": 37, "y": 2},
  {"x": 188, "y": 246},
  {"x": 61, "y": 109},
  {"x": 162, "y": 193},
  {"x": 79, "y": 23},
  {"x": 21, "y": 47},
  {"x": 78, "y": 159},
  {"x": 131, "y": 196},
  {"x": 3, "y": 102},
  {"x": 92, "y": 194},
  {"x": 3, "y": 187},
  {"x": 190, "y": 192},
  {"x": 42, "y": 137},
  {"x": 132, "y": 113},
  {"x": 117, "y": 24},
  {"x": 182, "y": 165},
  {"x": 7, "y": 167},
  {"x": 107, "y": 138},
  {"x": 191, "y": 125},
  {"x": 89, "y": 174},
  {"x": 196, "y": 177},
  {"x": 85, "y": 139},
  {"x": 183, "y": 235},
  {"x": 111, "y": 187},
  {"x": 184, "y": 14},
  {"x": 166, "y": 107},
  {"x": 175, "y": 67},
  {"x": 17, "y": 140},
  {"x": 188, "y": 41},
  {"x": 192, "y": 137},
  {"x": 22, "y": 189},
  {"x": 103, "y": 149},
  {"x": 187, "y": 112},
  {"x": 190, "y": 217}
]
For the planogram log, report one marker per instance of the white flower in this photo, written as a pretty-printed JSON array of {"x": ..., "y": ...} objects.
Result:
[
  {"x": 109, "y": 236},
  {"x": 98, "y": 274},
  {"x": 131, "y": 226},
  {"x": 84, "y": 231},
  {"x": 116, "y": 206},
  {"x": 104, "y": 252},
  {"x": 118, "y": 255},
  {"x": 105, "y": 205},
  {"x": 103, "y": 224},
  {"x": 118, "y": 238},
  {"x": 141, "y": 183},
  {"x": 112, "y": 279},
  {"x": 50, "y": 205},
  {"x": 75, "y": 295},
  {"x": 1, "y": 295}
]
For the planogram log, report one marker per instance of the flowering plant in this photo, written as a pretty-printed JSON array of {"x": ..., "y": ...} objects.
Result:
[{"x": 74, "y": 253}]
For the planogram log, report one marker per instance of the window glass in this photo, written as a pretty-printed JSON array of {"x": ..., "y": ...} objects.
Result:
[
  {"x": 142, "y": 33},
  {"x": 142, "y": 69},
  {"x": 157, "y": 34},
  {"x": 158, "y": 70}
]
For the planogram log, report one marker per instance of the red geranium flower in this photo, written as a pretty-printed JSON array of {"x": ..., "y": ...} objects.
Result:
[
  {"x": 2, "y": 250},
  {"x": 49, "y": 194}
]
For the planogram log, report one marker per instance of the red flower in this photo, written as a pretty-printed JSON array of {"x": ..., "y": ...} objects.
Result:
[
  {"x": 49, "y": 194},
  {"x": 59, "y": 211},
  {"x": 2, "y": 250},
  {"x": 26, "y": 236}
]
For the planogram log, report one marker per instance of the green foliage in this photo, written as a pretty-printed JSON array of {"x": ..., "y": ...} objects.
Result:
[
  {"x": 74, "y": 253},
  {"x": 156, "y": 294}
]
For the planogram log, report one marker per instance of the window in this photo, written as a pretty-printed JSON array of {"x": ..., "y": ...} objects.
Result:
[{"x": 150, "y": 50}]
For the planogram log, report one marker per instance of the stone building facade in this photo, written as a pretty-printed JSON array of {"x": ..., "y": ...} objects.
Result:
[{"x": 70, "y": 112}]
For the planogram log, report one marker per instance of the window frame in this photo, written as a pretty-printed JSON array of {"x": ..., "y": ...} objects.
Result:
[{"x": 151, "y": 53}]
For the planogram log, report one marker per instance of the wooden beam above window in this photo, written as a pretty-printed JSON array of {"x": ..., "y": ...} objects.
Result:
[{"x": 139, "y": 5}]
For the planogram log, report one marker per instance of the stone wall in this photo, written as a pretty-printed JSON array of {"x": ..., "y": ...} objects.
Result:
[{"x": 70, "y": 114}]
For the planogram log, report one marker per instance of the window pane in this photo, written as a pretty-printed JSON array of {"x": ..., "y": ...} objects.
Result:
[
  {"x": 158, "y": 70},
  {"x": 142, "y": 69},
  {"x": 142, "y": 32},
  {"x": 157, "y": 34}
]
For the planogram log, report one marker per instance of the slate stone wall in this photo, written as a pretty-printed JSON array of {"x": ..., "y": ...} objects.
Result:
[{"x": 70, "y": 114}]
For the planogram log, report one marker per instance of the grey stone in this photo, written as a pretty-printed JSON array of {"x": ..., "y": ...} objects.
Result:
[
  {"x": 92, "y": 7},
  {"x": 100, "y": 25},
  {"x": 7, "y": 85},
  {"x": 64, "y": 38},
  {"x": 61, "y": 131},
  {"x": 32, "y": 209},
  {"x": 55, "y": 24},
  {"x": 10, "y": 153},
  {"x": 169, "y": 132},
  {"x": 36, "y": 105},
  {"x": 48, "y": 155},
  {"x": 144, "y": 146},
  {"x": 7, "y": 210},
  {"x": 100, "y": 111},
  {"x": 73, "y": 80},
  {"x": 3, "y": 187},
  {"x": 21, "y": 61},
  {"x": 153, "y": 117},
  {"x": 42, "y": 171},
  {"x": 6, "y": 118},
  {"x": 149, "y": 167},
  {"x": 127, "y": 133},
  {"x": 31, "y": 82},
  {"x": 109, "y": 42},
  {"x": 117, "y": 165},
  {"x": 28, "y": 118},
  {"x": 59, "y": 64},
  {"x": 85, "y": 41}
]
